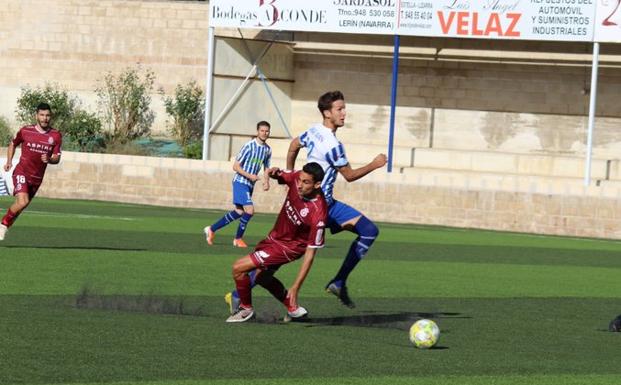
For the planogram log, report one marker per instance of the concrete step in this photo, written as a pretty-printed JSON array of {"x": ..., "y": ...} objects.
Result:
[{"x": 516, "y": 163}]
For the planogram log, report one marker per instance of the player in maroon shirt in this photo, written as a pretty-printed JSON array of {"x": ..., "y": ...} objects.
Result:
[
  {"x": 299, "y": 231},
  {"x": 40, "y": 145}
]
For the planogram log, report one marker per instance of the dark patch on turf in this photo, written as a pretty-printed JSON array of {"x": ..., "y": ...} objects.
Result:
[{"x": 147, "y": 303}]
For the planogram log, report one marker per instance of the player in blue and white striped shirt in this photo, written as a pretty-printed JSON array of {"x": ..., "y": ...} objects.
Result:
[
  {"x": 253, "y": 156},
  {"x": 324, "y": 148}
]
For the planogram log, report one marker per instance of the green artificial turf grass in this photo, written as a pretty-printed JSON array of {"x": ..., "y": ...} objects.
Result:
[
  {"x": 50, "y": 340},
  {"x": 393, "y": 380},
  {"x": 513, "y": 308}
]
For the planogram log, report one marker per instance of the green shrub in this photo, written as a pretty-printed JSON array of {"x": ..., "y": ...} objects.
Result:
[
  {"x": 81, "y": 130},
  {"x": 187, "y": 111},
  {"x": 63, "y": 104},
  {"x": 84, "y": 133},
  {"x": 193, "y": 150},
  {"x": 6, "y": 133},
  {"x": 125, "y": 101},
  {"x": 127, "y": 148}
]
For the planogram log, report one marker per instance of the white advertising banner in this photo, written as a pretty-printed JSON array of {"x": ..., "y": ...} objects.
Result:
[
  {"x": 608, "y": 21},
  {"x": 556, "y": 20},
  {"x": 561, "y": 20},
  {"x": 348, "y": 16},
  {"x": 566, "y": 20}
]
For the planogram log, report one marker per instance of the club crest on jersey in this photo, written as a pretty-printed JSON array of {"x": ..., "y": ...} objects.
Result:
[
  {"x": 261, "y": 255},
  {"x": 304, "y": 212},
  {"x": 50, "y": 140}
]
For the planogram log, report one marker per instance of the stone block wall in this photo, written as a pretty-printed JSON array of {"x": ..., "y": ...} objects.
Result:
[
  {"x": 526, "y": 205},
  {"x": 73, "y": 43}
]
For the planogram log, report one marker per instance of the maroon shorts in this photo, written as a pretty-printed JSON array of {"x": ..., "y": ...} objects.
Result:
[
  {"x": 269, "y": 255},
  {"x": 21, "y": 184}
]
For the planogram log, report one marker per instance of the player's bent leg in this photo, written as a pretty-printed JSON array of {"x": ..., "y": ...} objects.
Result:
[
  {"x": 243, "y": 224},
  {"x": 22, "y": 200},
  {"x": 367, "y": 233},
  {"x": 210, "y": 231},
  {"x": 266, "y": 279},
  {"x": 241, "y": 268},
  {"x": 232, "y": 298}
]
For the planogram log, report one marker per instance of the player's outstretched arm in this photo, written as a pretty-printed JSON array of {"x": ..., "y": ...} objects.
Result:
[
  {"x": 292, "y": 154},
  {"x": 273, "y": 172},
  {"x": 307, "y": 262},
  {"x": 10, "y": 152},
  {"x": 351, "y": 174}
]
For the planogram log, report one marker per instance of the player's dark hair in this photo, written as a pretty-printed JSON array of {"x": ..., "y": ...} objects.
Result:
[
  {"x": 263, "y": 123},
  {"x": 325, "y": 101},
  {"x": 315, "y": 170},
  {"x": 44, "y": 107}
]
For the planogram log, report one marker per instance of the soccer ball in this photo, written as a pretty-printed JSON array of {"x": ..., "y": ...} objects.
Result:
[{"x": 424, "y": 333}]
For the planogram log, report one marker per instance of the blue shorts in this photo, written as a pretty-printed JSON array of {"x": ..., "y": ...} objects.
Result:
[
  {"x": 340, "y": 213},
  {"x": 242, "y": 194}
]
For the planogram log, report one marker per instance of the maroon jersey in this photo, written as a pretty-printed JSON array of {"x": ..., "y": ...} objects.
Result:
[
  {"x": 34, "y": 144},
  {"x": 301, "y": 222}
]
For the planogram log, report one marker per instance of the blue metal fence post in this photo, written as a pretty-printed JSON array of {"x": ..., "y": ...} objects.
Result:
[{"x": 393, "y": 101}]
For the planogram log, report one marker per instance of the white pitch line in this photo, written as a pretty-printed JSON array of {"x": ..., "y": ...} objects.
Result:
[{"x": 79, "y": 216}]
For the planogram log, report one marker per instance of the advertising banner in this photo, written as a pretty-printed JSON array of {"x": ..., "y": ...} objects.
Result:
[
  {"x": 560, "y": 20},
  {"x": 608, "y": 21},
  {"x": 347, "y": 16},
  {"x": 563, "y": 20}
]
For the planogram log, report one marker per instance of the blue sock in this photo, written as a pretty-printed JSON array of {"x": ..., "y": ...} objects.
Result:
[
  {"x": 245, "y": 218},
  {"x": 225, "y": 220},
  {"x": 367, "y": 232}
]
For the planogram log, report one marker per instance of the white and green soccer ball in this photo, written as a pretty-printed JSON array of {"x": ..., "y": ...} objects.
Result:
[{"x": 424, "y": 333}]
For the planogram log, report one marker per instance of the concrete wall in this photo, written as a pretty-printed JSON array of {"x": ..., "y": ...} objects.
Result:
[
  {"x": 486, "y": 201},
  {"x": 519, "y": 107},
  {"x": 73, "y": 43}
]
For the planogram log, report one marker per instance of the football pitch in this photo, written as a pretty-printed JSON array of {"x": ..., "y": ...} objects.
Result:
[{"x": 94, "y": 292}]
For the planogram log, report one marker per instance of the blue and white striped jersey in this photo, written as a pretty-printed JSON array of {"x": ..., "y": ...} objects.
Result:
[
  {"x": 252, "y": 157},
  {"x": 323, "y": 147},
  {"x": 4, "y": 188}
]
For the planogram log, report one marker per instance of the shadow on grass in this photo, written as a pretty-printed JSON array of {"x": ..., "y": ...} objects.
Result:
[
  {"x": 400, "y": 321},
  {"x": 377, "y": 320},
  {"x": 87, "y": 298}
]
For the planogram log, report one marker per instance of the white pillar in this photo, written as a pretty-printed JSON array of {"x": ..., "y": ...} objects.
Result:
[
  {"x": 592, "y": 104},
  {"x": 211, "y": 48}
]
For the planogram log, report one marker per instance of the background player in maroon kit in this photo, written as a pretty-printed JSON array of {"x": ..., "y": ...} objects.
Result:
[
  {"x": 299, "y": 231},
  {"x": 40, "y": 145}
]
